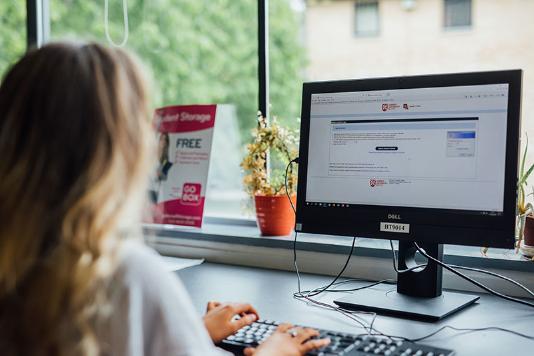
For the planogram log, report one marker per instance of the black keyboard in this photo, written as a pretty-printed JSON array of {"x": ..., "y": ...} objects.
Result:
[{"x": 341, "y": 343}]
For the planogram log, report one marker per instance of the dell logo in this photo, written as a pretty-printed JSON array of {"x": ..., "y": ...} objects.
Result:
[{"x": 394, "y": 216}]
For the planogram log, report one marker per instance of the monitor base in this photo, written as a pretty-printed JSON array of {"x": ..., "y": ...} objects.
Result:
[{"x": 390, "y": 302}]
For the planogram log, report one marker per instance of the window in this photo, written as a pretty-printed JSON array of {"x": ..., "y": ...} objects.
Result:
[
  {"x": 457, "y": 13},
  {"x": 199, "y": 51},
  {"x": 366, "y": 21},
  {"x": 12, "y": 32}
]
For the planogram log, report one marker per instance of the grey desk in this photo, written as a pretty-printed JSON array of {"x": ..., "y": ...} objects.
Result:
[{"x": 270, "y": 292}]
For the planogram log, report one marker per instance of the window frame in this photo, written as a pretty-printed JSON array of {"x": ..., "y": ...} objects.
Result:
[{"x": 37, "y": 22}]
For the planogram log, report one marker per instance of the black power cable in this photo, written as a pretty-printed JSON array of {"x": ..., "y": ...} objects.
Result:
[{"x": 469, "y": 279}]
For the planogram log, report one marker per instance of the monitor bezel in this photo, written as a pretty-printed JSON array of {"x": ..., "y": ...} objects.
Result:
[{"x": 426, "y": 224}]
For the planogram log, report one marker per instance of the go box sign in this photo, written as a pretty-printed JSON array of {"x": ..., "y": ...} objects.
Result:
[{"x": 178, "y": 188}]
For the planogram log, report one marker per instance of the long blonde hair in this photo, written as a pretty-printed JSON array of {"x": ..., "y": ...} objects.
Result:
[{"x": 75, "y": 143}]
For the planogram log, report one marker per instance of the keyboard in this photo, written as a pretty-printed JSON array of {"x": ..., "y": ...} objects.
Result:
[{"x": 340, "y": 343}]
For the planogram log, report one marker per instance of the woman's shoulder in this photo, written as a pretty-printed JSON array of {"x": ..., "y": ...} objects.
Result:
[
  {"x": 138, "y": 264},
  {"x": 132, "y": 253},
  {"x": 151, "y": 308}
]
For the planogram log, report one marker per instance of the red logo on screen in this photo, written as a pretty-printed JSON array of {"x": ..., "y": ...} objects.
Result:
[
  {"x": 191, "y": 194},
  {"x": 385, "y": 107},
  {"x": 373, "y": 182}
]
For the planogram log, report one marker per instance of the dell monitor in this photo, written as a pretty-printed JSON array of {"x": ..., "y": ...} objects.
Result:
[{"x": 426, "y": 159}]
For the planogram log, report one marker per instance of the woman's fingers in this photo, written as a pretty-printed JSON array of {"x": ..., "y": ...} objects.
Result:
[
  {"x": 244, "y": 321},
  {"x": 249, "y": 351},
  {"x": 302, "y": 334},
  {"x": 244, "y": 308},
  {"x": 283, "y": 327},
  {"x": 212, "y": 304},
  {"x": 314, "y": 344}
]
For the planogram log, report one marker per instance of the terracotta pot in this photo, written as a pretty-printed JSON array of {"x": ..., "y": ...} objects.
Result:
[
  {"x": 528, "y": 235},
  {"x": 274, "y": 214}
]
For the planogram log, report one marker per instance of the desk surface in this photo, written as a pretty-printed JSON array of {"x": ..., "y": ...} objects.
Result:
[{"x": 270, "y": 291}]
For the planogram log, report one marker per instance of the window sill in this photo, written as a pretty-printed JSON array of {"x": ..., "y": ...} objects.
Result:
[{"x": 245, "y": 232}]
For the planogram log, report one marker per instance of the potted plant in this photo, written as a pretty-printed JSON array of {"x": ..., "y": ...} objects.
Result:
[
  {"x": 525, "y": 217},
  {"x": 271, "y": 149}
]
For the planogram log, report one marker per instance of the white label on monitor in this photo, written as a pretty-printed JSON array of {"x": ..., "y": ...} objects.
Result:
[{"x": 395, "y": 227}]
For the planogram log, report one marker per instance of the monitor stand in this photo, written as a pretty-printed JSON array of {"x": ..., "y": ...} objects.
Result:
[{"x": 419, "y": 293}]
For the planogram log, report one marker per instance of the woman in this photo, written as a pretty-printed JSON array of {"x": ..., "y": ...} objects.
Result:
[
  {"x": 75, "y": 142},
  {"x": 164, "y": 165}
]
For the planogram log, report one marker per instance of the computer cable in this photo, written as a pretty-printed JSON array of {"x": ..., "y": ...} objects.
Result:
[
  {"x": 489, "y": 328},
  {"x": 300, "y": 294},
  {"x": 494, "y": 275},
  {"x": 320, "y": 289},
  {"x": 294, "y": 160},
  {"x": 469, "y": 279},
  {"x": 325, "y": 288},
  {"x": 395, "y": 262}
]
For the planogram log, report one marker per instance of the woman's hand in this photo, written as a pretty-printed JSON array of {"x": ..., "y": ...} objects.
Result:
[
  {"x": 282, "y": 343},
  {"x": 221, "y": 322}
]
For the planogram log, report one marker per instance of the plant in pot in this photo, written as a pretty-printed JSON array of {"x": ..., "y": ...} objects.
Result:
[
  {"x": 271, "y": 149},
  {"x": 525, "y": 217}
]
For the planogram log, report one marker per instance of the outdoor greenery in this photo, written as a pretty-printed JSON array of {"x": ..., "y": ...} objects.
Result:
[
  {"x": 198, "y": 51},
  {"x": 12, "y": 32}
]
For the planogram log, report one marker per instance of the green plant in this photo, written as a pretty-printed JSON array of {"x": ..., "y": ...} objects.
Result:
[
  {"x": 272, "y": 148},
  {"x": 523, "y": 207}
]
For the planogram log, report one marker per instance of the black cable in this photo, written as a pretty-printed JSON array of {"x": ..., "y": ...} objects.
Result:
[
  {"x": 300, "y": 294},
  {"x": 372, "y": 284},
  {"x": 495, "y": 275},
  {"x": 471, "y": 330},
  {"x": 469, "y": 279},
  {"x": 295, "y": 160},
  {"x": 395, "y": 262},
  {"x": 320, "y": 290}
]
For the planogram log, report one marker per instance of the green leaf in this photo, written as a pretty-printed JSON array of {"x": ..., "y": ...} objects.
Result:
[
  {"x": 524, "y": 159},
  {"x": 526, "y": 175}
]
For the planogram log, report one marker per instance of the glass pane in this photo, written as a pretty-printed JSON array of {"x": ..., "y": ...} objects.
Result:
[
  {"x": 199, "y": 51},
  {"x": 457, "y": 13},
  {"x": 12, "y": 32},
  {"x": 412, "y": 42},
  {"x": 287, "y": 60},
  {"x": 366, "y": 18}
]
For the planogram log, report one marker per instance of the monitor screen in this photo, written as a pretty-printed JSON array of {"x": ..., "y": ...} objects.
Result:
[
  {"x": 437, "y": 148},
  {"x": 434, "y": 157}
]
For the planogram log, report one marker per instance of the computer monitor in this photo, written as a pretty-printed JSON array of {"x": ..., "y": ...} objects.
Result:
[{"x": 428, "y": 159}]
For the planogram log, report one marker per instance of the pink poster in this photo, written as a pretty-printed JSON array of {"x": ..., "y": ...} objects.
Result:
[{"x": 178, "y": 187}]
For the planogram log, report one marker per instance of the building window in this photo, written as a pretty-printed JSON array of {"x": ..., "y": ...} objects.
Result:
[
  {"x": 366, "y": 18},
  {"x": 457, "y": 13}
]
